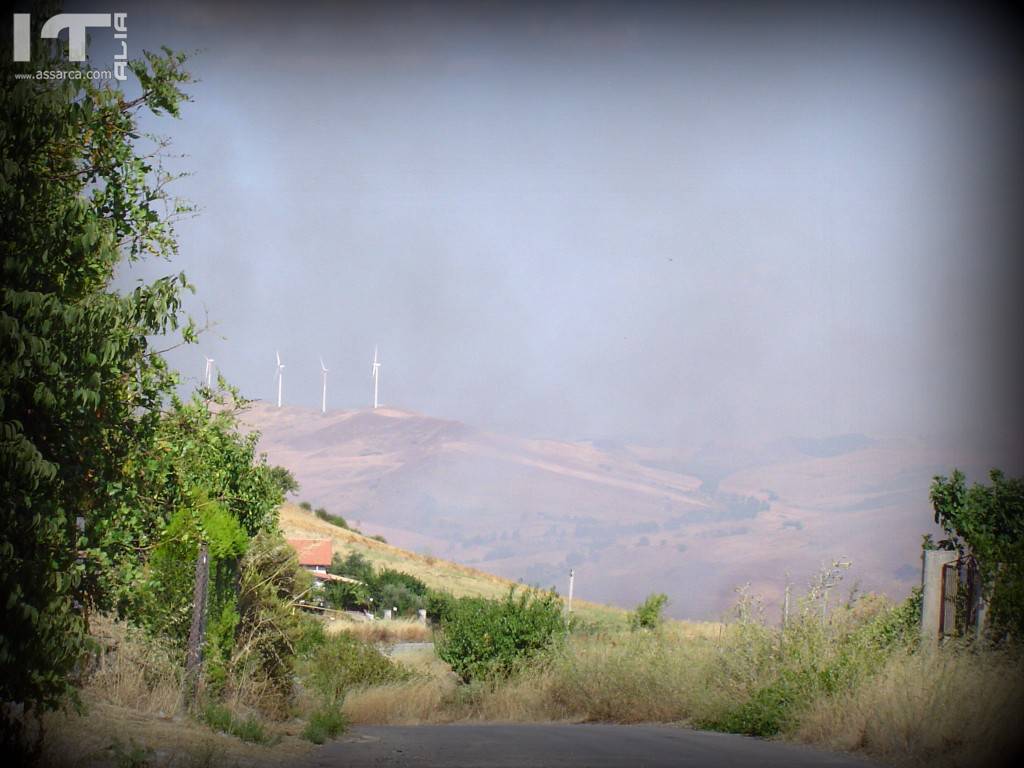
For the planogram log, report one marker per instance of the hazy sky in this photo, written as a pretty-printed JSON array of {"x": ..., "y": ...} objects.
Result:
[{"x": 583, "y": 220}]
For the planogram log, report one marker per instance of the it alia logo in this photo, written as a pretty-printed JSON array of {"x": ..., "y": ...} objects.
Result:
[{"x": 76, "y": 24}]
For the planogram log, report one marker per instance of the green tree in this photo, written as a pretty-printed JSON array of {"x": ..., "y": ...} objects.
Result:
[
  {"x": 988, "y": 522},
  {"x": 354, "y": 565},
  {"x": 82, "y": 191},
  {"x": 648, "y": 614},
  {"x": 285, "y": 480},
  {"x": 483, "y": 638}
]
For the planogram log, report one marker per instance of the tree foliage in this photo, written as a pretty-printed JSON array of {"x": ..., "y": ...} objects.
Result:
[
  {"x": 80, "y": 385},
  {"x": 988, "y": 522},
  {"x": 380, "y": 590},
  {"x": 483, "y": 638}
]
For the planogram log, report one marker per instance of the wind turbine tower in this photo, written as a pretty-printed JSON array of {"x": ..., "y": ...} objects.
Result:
[
  {"x": 375, "y": 372},
  {"x": 208, "y": 373},
  {"x": 323, "y": 386},
  {"x": 280, "y": 377}
]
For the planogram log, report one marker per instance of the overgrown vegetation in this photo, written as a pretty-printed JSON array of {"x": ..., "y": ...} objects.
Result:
[
  {"x": 80, "y": 385},
  {"x": 386, "y": 589},
  {"x": 486, "y": 639},
  {"x": 342, "y": 662},
  {"x": 111, "y": 483},
  {"x": 987, "y": 521},
  {"x": 821, "y": 680}
]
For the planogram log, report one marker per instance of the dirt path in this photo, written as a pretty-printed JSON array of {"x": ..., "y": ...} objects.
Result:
[{"x": 564, "y": 746}]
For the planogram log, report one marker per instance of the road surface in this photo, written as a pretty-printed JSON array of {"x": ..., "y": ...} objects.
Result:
[{"x": 565, "y": 746}]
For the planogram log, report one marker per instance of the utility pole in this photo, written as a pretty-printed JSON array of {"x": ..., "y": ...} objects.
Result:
[
  {"x": 572, "y": 578},
  {"x": 785, "y": 606}
]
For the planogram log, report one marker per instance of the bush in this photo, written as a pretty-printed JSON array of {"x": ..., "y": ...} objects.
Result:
[
  {"x": 355, "y": 566},
  {"x": 269, "y": 629},
  {"x": 777, "y": 679},
  {"x": 483, "y": 638},
  {"x": 387, "y": 589},
  {"x": 327, "y": 517},
  {"x": 439, "y": 605},
  {"x": 219, "y": 718},
  {"x": 389, "y": 576},
  {"x": 325, "y": 723},
  {"x": 346, "y": 596},
  {"x": 400, "y": 597},
  {"x": 343, "y": 662},
  {"x": 648, "y": 614}
]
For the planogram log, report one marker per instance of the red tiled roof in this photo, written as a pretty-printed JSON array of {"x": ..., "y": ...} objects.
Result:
[{"x": 313, "y": 551}]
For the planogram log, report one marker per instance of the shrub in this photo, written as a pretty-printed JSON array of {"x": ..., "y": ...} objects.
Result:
[
  {"x": 775, "y": 679},
  {"x": 400, "y": 597},
  {"x": 355, "y": 566},
  {"x": 342, "y": 662},
  {"x": 648, "y": 614},
  {"x": 327, "y": 517},
  {"x": 389, "y": 576},
  {"x": 483, "y": 638},
  {"x": 346, "y": 596},
  {"x": 262, "y": 664},
  {"x": 325, "y": 723},
  {"x": 439, "y": 605},
  {"x": 219, "y": 718}
]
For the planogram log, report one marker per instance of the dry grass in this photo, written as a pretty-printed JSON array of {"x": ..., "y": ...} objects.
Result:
[
  {"x": 97, "y": 738},
  {"x": 132, "y": 708},
  {"x": 393, "y": 631},
  {"x": 945, "y": 708},
  {"x": 134, "y": 671},
  {"x": 954, "y": 708},
  {"x": 421, "y": 700},
  {"x": 626, "y": 678}
]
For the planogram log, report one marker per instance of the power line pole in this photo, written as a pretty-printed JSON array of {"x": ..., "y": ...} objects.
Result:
[{"x": 572, "y": 578}]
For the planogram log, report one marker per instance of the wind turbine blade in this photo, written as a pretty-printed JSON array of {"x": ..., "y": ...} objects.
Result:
[{"x": 278, "y": 355}]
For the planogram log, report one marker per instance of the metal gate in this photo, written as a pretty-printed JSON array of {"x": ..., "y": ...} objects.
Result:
[{"x": 961, "y": 597}]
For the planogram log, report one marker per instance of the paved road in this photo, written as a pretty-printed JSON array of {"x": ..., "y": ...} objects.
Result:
[{"x": 565, "y": 746}]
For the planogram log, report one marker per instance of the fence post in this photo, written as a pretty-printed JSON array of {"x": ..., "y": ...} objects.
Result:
[{"x": 197, "y": 632}]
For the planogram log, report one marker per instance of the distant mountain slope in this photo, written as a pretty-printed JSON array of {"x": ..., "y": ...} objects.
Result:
[{"x": 630, "y": 519}]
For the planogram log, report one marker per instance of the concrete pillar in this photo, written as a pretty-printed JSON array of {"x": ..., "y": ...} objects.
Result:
[
  {"x": 931, "y": 591},
  {"x": 422, "y": 613},
  {"x": 387, "y": 613}
]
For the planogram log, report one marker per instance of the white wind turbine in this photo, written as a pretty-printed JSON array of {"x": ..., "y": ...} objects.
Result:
[
  {"x": 208, "y": 373},
  {"x": 323, "y": 386},
  {"x": 280, "y": 377},
  {"x": 375, "y": 372}
]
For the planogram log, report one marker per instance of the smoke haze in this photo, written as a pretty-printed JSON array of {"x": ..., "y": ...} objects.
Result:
[{"x": 588, "y": 220}]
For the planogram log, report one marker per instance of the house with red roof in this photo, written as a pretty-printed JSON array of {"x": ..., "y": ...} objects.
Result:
[{"x": 315, "y": 556}]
